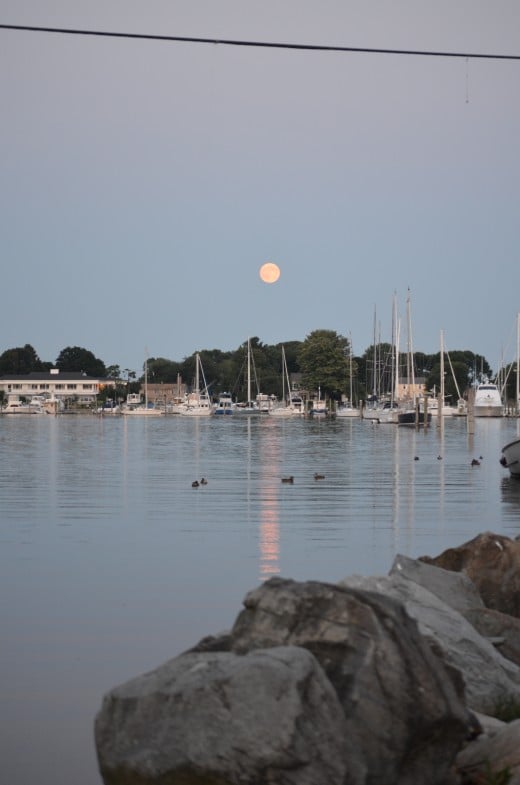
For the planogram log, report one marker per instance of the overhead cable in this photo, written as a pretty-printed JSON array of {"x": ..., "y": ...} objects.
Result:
[{"x": 262, "y": 44}]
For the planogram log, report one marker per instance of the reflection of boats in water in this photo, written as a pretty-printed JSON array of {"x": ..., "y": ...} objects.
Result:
[{"x": 511, "y": 457}]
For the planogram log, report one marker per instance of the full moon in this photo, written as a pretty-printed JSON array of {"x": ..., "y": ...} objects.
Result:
[{"x": 269, "y": 272}]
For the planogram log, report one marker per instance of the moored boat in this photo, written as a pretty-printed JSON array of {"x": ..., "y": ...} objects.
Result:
[
  {"x": 511, "y": 457},
  {"x": 15, "y": 405},
  {"x": 488, "y": 401},
  {"x": 225, "y": 404}
]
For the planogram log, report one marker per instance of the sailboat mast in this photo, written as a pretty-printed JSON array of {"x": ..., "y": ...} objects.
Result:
[
  {"x": 440, "y": 400},
  {"x": 350, "y": 367},
  {"x": 517, "y": 362},
  {"x": 284, "y": 371},
  {"x": 146, "y": 382},
  {"x": 249, "y": 372}
]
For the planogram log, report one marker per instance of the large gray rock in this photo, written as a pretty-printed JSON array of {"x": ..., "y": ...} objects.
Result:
[
  {"x": 221, "y": 719},
  {"x": 403, "y": 713},
  {"x": 487, "y": 756},
  {"x": 492, "y": 561},
  {"x": 453, "y": 588},
  {"x": 489, "y": 678},
  {"x": 499, "y": 628}
]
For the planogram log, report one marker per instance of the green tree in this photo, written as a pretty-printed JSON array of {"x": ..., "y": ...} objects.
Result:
[
  {"x": 21, "y": 360},
  {"x": 76, "y": 359},
  {"x": 162, "y": 370},
  {"x": 323, "y": 358}
]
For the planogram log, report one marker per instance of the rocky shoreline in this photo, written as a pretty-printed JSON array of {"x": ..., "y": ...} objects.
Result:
[{"x": 412, "y": 678}]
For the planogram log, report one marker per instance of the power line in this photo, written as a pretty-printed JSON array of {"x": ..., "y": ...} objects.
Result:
[{"x": 261, "y": 44}]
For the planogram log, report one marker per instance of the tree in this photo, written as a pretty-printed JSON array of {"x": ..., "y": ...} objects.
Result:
[
  {"x": 323, "y": 358},
  {"x": 74, "y": 359},
  {"x": 21, "y": 360}
]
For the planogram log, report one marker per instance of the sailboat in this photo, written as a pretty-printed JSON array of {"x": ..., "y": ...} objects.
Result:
[
  {"x": 262, "y": 403},
  {"x": 142, "y": 409},
  {"x": 412, "y": 413},
  {"x": 197, "y": 403},
  {"x": 347, "y": 409},
  {"x": 294, "y": 405}
]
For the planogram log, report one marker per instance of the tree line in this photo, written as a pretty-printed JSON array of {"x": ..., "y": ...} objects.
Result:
[{"x": 323, "y": 360}]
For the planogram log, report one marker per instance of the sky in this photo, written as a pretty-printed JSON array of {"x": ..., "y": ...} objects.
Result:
[{"x": 143, "y": 183}]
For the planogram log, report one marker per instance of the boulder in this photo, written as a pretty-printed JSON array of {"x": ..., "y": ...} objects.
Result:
[
  {"x": 501, "y": 630},
  {"x": 492, "y": 561},
  {"x": 488, "y": 758},
  {"x": 488, "y": 677},
  {"x": 403, "y": 712},
  {"x": 453, "y": 588},
  {"x": 224, "y": 719}
]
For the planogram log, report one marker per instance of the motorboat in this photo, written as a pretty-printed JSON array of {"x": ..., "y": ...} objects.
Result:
[
  {"x": 347, "y": 410},
  {"x": 488, "y": 401},
  {"x": 15, "y": 405},
  {"x": 511, "y": 457},
  {"x": 225, "y": 404},
  {"x": 319, "y": 406},
  {"x": 134, "y": 405}
]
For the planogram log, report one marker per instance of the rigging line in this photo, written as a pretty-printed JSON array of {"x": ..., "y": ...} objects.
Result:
[{"x": 265, "y": 44}]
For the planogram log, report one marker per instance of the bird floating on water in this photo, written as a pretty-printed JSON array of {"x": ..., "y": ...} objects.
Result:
[
  {"x": 288, "y": 479},
  {"x": 195, "y": 484},
  {"x": 474, "y": 462},
  {"x": 319, "y": 476},
  {"x": 203, "y": 481}
]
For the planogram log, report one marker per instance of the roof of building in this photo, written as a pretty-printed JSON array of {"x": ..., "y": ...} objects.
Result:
[{"x": 47, "y": 376}]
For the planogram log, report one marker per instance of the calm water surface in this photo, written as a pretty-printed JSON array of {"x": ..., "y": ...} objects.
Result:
[{"x": 111, "y": 563}]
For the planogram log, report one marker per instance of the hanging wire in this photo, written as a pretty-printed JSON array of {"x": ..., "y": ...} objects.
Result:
[{"x": 266, "y": 44}]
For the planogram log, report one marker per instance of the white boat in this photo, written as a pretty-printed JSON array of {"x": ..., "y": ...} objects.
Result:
[
  {"x": 511, "y": 457},
  {"x": 197, "y": 403},
  {"x": 294, "y": 405},
  {"x": 347, "y": 410},
  {"x": 488, "y": 401},
  {"x": 16, "y": 406},
  {"x": 318, "y": 406},
  {"x": 53, "y": 404},
  {"x": 262, "y": 404},
  {"x": 447, "y": 410},
  {"x": 225, "y": 404},
  {"x": 109, "y": 407},
  {"x": 135, "y": 408}
]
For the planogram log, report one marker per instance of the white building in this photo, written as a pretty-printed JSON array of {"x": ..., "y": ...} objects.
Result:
[{"x": 76, "y": 386}]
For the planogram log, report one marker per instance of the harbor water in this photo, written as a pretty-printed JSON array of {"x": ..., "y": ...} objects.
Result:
[{"x": 111, "y": 562}]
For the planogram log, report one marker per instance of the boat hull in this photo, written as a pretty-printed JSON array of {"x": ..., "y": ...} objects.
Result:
[{"x": 511, "y": 457}]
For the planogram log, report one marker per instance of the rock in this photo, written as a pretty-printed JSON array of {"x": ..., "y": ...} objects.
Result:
[
  {"x": 220, "y": 719},
  {"x": 488, "y": 677},
  {"x": 403, "y": 714},
  {"x": 487, "y": 756},
  {"x": 453, "y": 588},
  {"x": 499, "y": 628},
  {"x": 492, "y": 561}
]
